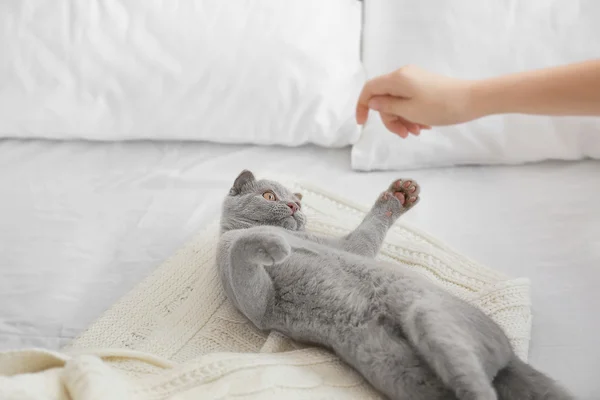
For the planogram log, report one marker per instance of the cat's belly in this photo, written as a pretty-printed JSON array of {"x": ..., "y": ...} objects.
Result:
[{"x": 320, "y": 295}]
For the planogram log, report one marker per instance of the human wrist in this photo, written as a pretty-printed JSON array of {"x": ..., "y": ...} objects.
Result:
[{"x": 483, "y": 98}]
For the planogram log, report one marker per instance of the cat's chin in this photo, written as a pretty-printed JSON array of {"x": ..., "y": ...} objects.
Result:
[{"x": 290, "y": 223}]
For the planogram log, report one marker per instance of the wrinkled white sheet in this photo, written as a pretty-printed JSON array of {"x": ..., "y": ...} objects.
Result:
[{"x": 82, "y": 223}]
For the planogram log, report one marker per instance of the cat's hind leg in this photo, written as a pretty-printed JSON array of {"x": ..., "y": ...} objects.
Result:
[
  {"x": 450, "y": 351},
  {"x": 388, "y": 361}
]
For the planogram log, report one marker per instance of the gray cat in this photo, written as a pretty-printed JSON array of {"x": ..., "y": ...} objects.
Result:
[{"x": 409, "y": 338}]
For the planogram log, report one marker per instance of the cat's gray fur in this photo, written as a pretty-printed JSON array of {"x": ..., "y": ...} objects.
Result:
[{"x": 409, "y": 338}]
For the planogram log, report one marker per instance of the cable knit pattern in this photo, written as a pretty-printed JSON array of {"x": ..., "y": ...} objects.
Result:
[{"x": 176, "y": 333}]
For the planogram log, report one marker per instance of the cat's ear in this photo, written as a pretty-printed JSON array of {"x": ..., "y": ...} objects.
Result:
[
  {"x": 244, "y": 178},
  {"x": 298, "y": 195}
]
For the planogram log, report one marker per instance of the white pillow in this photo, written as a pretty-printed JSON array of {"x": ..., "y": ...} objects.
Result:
[
  {"x": 239, "y": 71},
  {"x": 477, "y": 39}
]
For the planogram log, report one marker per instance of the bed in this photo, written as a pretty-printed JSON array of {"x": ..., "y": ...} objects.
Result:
[
  {"x": 123, "y": 125},
  {"x": 83, "y": 222}
]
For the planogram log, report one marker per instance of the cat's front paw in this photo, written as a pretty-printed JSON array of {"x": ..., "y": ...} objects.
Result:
[
  {"x": 406, "y": 191},
  {"x": 268, "y": 249},
  {"x": 401, "y": 196}
]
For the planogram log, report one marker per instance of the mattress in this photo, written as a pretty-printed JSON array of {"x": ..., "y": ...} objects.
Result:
[{"x": 82, "y": 223}]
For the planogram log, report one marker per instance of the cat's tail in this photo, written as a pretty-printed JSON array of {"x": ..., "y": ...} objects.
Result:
[{"x": 520, "y": 381}]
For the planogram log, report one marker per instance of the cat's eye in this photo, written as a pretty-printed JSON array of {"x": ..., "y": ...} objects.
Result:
[{"x": 269, "y": 196}]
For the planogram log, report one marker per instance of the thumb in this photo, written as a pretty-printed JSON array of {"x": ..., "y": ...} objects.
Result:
[{"x": 390, "y": 105}]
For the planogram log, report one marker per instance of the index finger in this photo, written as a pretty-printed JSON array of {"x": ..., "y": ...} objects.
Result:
[{"x": 374, "y": 87}]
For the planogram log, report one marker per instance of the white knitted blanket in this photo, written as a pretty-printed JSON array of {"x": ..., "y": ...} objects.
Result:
[{"x": 177, "y": 336}]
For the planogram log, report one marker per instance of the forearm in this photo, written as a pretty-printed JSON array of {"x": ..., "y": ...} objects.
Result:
[
  {"x": 368, "y": 237},
  {"x": 566, "y": 90},
  {"x": 365, "y": 240}
]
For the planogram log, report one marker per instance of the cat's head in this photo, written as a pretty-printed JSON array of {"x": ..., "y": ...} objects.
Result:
[{"x": 253, "y": 202}]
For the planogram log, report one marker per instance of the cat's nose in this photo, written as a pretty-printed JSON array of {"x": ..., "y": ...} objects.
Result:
[{"x": 293, "y": 207}]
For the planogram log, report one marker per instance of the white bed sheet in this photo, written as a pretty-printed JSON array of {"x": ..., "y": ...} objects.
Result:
[{"x": 82, "y": 223}]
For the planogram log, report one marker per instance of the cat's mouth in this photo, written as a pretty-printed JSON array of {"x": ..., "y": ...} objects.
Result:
[
  {"x": 293, "y": 222},
  {"x": 290, "y": 223}
]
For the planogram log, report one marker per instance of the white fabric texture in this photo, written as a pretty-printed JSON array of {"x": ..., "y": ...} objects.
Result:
[
  {"x": 261, "y": 72},
  {"x": 180, "y": 313},
  {"x": 475, "y": 40},
  {"x": 301, "y": 375},
  {"x": 82, "y": 223}
]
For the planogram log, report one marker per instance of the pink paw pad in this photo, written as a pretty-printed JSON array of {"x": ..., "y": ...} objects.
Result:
[
  {"x": 400, "y": 196},
  {"x": 406, "y": 191}
]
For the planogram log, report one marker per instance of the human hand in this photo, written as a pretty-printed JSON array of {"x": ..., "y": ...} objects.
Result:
[{"x": 410, "y": 99}]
